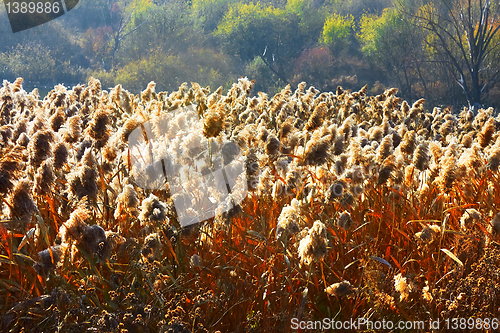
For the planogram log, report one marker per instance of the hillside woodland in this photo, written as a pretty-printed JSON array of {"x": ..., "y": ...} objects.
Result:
[{"x": 445, "y": 51}]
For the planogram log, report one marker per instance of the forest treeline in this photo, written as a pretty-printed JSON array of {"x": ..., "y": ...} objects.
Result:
[{"x": 446, "y": 51}]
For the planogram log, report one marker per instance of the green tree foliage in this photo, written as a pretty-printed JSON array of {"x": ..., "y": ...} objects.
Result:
[
  {"x": 208, "y": 13},
  {"x": 28, "y": 60},
  {"x": 205, "y": 66},
  {"x": 337, "y": 31},
  {"x": 393, "y": 42},
  {"x": 169, "y": 28},
  {"x": 357, "y": 8},
  {"x": 276, "y": 35}
]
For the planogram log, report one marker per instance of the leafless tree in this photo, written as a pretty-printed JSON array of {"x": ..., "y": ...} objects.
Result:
[{"x": 464, "y": 34}]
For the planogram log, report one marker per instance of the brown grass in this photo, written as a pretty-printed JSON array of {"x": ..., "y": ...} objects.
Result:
[{"x": 357, "y": 206}]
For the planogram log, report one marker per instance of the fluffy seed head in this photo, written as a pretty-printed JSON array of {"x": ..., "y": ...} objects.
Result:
[
  {"x": 153, "y": 210},
  {"x": 20, "y": 201},
  {"x": 344, "y": 220},
  {"x": 313, "y": 247},
  {"x": 341, "y": 289}
]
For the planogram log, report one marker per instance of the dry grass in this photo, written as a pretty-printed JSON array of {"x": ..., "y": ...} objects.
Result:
[{"x": 358, "y": 206}]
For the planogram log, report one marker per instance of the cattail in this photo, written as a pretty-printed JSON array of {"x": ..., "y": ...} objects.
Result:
[
  {"x": 110, "y": 151},
  {"x": 40, "y": 148},
  {"x": 21, "y": 202},
  {"x": 357, "y": 174},
  {"x": 385, "y": 149},
  {"x": 340, "y": 91},
  {"x": 386, "y": 169},
  {"x": 252, "y": 169},
  {"x": 467, "y": 139},
  {"x": 99, "y": 129},
  {"x": 94, "y": 241},
  {"x": 213, "y": 123},
  {"x": 471, "y": 158},
  {"x": 336, "y": 190},
  {"x": 57, "y": 119},
  {"x": 21, "y": 127},
  {"x": 421, "y": 156},
  {"x": 114, "y": 239},
  {"x": 344, "y": 220},
  {"x": 72, "y": 131},
  {"x": 73, "y": 228},
  {"x": 405, "y": 108},
  {"x": 396, "y": 139},
  {"x": 316, "y": 118},
  {"x": 130, "y": 125},
  {"x": 17, "y": 85},
  {"x": 447, "y": 173},
  {"x": 292, "y": 180},
  {"x": 403, "y": 286},
  {"x": 338, "y": 146},
  {"x": 495, "y": 225},
  {"x": 313, "y": 247},
  {"x": 289, "y": 221},
  {"x": 341, "y": 289},
  {"x": 37, "y": 125},
  {"x": 346, "y": 200},
  {"x": 149, "y": 93},
  {"x": 377, "y": 134},
  {"x": 127, "y": 200},
  {"x": 428, "y": 234},
  {"x": 409, "y": 142},
  {"x": 286, "y": 128},
  {"x": 409, "y": 174},
  {"x": 152, "y": 246},
  {"x": 49, "y": 259},
  {"x": 446, "y": 128},
  {"x": 10, "y": 166},
  {"x": 436, "y": 151},
  {"x": 493, "y": 159},
  {"x": 486, "y": 134},
  {"x": 94, "y": 87},
  {"x": 272, "y": 147},
  {"x": 317, "y": 150},
  {"x": 128, "y": 197},
  {"x": 83, "y": 182},
  {"x": 340, "y": 164},
  {"x": 263, "y": 134},
  {"x": 82, "y": 148},
  {"x": 91, "y": 239},
  {"x": 416, "y": 108},
  {"x": 153, "y": 210},
  {"x": 44, "y": 178},
  {"x": 60, "y": 155},
  {"x": 6, "y": 133},
  {"x": 469, "y": 217}
]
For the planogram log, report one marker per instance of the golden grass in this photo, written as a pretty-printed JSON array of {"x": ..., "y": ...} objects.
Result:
[{"x": 358, "y": 206}]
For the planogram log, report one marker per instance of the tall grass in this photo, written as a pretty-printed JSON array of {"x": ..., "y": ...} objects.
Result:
[{"x": 357, "y": 207}]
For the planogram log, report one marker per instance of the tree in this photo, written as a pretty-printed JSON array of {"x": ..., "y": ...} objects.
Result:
[
  {"x": 120, "y": 18},
  {"x": 463, "y": 34},
  {"x": 337, "y": 31},
  {"x": 392, "y": 42},
  {"x": 273, "y": 34}
]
